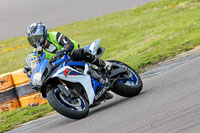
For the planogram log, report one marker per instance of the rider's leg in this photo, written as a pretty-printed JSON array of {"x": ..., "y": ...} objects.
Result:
[
  {"x": 85, "y": 55},
  {"x": 82, "y": 54}
]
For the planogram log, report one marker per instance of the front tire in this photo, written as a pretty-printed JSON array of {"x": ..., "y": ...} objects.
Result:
[
  {"x": 121, "y": 88},
  {"x": 62, "y": 106}
]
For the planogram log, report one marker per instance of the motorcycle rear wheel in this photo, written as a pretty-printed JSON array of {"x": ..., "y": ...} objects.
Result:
[
  {"x": 121, "y": 87},
  {"x": 65, "y": 106}
]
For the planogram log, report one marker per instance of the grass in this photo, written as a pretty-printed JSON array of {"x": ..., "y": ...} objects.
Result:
[
  {"x": 11, "y": 119},
  {"x": 139, "y": 37}
]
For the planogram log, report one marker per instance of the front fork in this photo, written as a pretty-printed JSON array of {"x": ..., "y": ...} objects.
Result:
[{"x": 63, "y": 87}]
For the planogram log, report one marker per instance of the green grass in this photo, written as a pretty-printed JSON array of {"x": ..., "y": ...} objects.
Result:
[
  {"x": 139, "y": 37},
  {"x": 11, "y": 119}
]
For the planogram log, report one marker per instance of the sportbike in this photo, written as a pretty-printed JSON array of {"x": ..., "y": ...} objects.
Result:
[{"x": 72, "y": 87}]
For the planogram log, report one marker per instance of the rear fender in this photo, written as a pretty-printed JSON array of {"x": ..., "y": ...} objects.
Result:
[
  {"x": 117, "y": 71},
  {"x": 95, "y": 48}
]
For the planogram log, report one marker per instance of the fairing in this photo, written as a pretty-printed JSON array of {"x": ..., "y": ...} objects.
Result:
[
  {"x": 69, "y": 74},
  {"x": 64, "y": 71}
]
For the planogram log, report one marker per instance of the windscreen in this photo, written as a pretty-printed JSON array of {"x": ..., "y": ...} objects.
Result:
[{"x": 31, "y": 61}]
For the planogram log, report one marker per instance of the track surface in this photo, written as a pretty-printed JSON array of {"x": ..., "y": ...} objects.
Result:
[
  {"x": 16, "y": 15},
  {"x": 169, "y": 103}
]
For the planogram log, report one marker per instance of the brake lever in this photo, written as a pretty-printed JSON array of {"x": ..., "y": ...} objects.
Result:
[{"x": 26, "y": 70}]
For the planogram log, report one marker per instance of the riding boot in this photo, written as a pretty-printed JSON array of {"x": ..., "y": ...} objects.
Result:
[
  {"x": 103, "y": 64},
  {"x": 88, "y": 57},
  {"x": 107, "y": 95}
]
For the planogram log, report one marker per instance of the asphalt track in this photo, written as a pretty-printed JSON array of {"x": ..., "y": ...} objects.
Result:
[
  {"x": 169, "y": 103},
  {"x": 16, "y": 15}
]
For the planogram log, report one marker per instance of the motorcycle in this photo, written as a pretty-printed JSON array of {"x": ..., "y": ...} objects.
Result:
[{"x": 72, "y": 87}]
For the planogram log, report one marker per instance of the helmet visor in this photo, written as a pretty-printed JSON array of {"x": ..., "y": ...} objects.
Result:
[{"x": 33, "y": 40}]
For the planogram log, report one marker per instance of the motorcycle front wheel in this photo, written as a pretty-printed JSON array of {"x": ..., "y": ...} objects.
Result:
[{"x": 74, "y": 108}]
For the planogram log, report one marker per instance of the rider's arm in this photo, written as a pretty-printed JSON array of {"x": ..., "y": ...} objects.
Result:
[{"x": 65, "y": 42}]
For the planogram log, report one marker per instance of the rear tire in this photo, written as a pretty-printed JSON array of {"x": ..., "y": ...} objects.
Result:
[
  {"x": 126, "y": 90},
  {"x": 61, "y": 108}
]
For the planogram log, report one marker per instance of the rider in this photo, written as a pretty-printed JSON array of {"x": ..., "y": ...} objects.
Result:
[{"x": 53, "y": 42}]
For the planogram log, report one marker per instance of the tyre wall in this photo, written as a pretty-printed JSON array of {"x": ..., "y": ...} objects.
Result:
[
  {"x": 26, "y": 95},
  {"x": 8, "y": 97},
  {"x": 29, "y": 97},
  {"x": 16, "y": 92}
]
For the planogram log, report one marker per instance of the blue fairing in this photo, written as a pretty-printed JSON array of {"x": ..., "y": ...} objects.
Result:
[
  {"x": 64, "y": 61},
  {"x": 96, "y": 84},
  {"x": 61, "y": 65},
  {"x": 72, "y": 63},
  {"x": 40, "y": 66},
  {"x": 64, "y": 58},
  {"x": 75, "y": 63}
]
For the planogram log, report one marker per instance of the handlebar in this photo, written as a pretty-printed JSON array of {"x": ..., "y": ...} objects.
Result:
[{"x": 59, "y": 58}]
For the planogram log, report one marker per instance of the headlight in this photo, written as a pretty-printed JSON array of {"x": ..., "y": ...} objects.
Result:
[{"x": 37, "y": 79}]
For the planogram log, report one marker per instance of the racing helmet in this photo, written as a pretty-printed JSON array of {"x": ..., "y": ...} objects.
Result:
[{"x": 36, "y": 33}]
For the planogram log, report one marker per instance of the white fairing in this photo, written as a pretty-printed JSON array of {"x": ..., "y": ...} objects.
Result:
[
  {"x": 94, "y": 46},
  {"x": 83, "y": 79}
]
